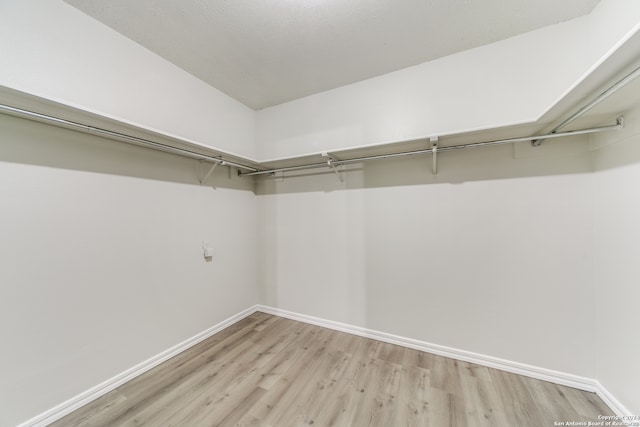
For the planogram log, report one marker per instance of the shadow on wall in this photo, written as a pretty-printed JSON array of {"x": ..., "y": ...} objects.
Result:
[
  {"x": 29, "y": 142},
  {"x": 613, "y": 150},
  {"x": 557, "y": 157},
  {"x": 624, "y": 153}
]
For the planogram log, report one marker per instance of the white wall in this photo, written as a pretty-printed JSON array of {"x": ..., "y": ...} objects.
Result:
[
  {"x": 512, "y": 81},
  {"x": 497, "y": 254},
  {"x": 102, "y": 264},
  {"x": 616, "y": 266},
  {"x": 493, "y": 255},
  {"x": 52, "y": 50}
]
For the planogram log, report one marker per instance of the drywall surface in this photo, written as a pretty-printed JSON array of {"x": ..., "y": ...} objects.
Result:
[
  {"x": 509, "y": 82},
  {"x": 616, "y": 267},
  {"x": 493, "y": 255},
  {"x": 102, "y": 264},
  {"x": 52, "y": 50}
]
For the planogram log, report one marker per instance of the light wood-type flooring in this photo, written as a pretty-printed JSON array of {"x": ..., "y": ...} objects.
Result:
[{"x": 270, "y": 371}]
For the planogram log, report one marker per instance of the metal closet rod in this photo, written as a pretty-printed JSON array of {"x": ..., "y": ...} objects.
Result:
[
  {"x": 619, "y": 125},
  {"x": 535, "y": 140},
  {"x": 597, "y": 100},
  {"x": 253, "y": 171},
  {"x": 119, "y": 136}
]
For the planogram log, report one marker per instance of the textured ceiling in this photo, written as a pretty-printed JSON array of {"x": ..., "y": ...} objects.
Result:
[{"x": 263, "y": 53}]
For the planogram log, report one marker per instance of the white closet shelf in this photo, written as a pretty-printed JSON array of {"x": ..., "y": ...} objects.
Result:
[
  {"x": 596, "y": 113},
  {"x": 28, "y": 106}
]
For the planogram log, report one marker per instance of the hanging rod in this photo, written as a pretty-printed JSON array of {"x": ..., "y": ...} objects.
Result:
[
  {"x": 7, "y": 109},
  {"x": 535, "y": 140},
  {"x": 619, "y": 125},
  {"x": 598, "y": 99}
]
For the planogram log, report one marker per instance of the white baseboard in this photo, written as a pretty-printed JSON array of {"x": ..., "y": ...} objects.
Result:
[
  {"x": 614, "y": 404},
  {"x": 562, "y": 378},
  {"x": 93, "y": 393},
  {"x": 570, "y": 380},
  {"x": 556, "y": 377}
]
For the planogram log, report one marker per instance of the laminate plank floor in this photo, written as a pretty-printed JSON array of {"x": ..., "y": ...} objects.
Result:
[{"x": 269, "y": 371}]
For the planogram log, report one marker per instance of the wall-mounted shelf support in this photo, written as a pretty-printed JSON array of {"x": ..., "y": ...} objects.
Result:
[
  {"x": 119, "y": 136},
  {"x": 597, "y": 100},
  {"x": 209, "y": 172},
  {"x": 434, "y": 154},
  {"x": 242, "y": 164},
  {"x": 334, "y": 162},
  {"x": 330, "y": 161}
]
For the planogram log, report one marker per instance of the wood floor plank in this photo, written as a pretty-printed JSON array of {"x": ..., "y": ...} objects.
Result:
[
  {"x": 269, "y": 371},
  {"x": 301, "y": 367},
  {"x": 303, "y": 393},
  {"x": 325, "y": 387},
  {"x": 181, "y": 395}
]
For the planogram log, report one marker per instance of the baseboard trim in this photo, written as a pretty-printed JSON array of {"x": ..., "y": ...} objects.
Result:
[
  {"x": 616, "y": 406},
  {"x": 93, "y": 393},
  {"x": 562, "y": 378},
  {"x": 570, "y": 380}
]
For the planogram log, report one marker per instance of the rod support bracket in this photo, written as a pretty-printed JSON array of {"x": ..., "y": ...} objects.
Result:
[
  {"x": 434, "y": 154},
  {"x": 332, "y": 166},
  {"x": 204, "y": 177},
  {"x": 620, "y": 122}
]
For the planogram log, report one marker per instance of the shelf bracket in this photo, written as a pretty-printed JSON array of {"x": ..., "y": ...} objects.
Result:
[
  {"x": 208, "y": 174},
  {"x": 434, "y": 154},
  {"x": 332, "y": 166}
]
